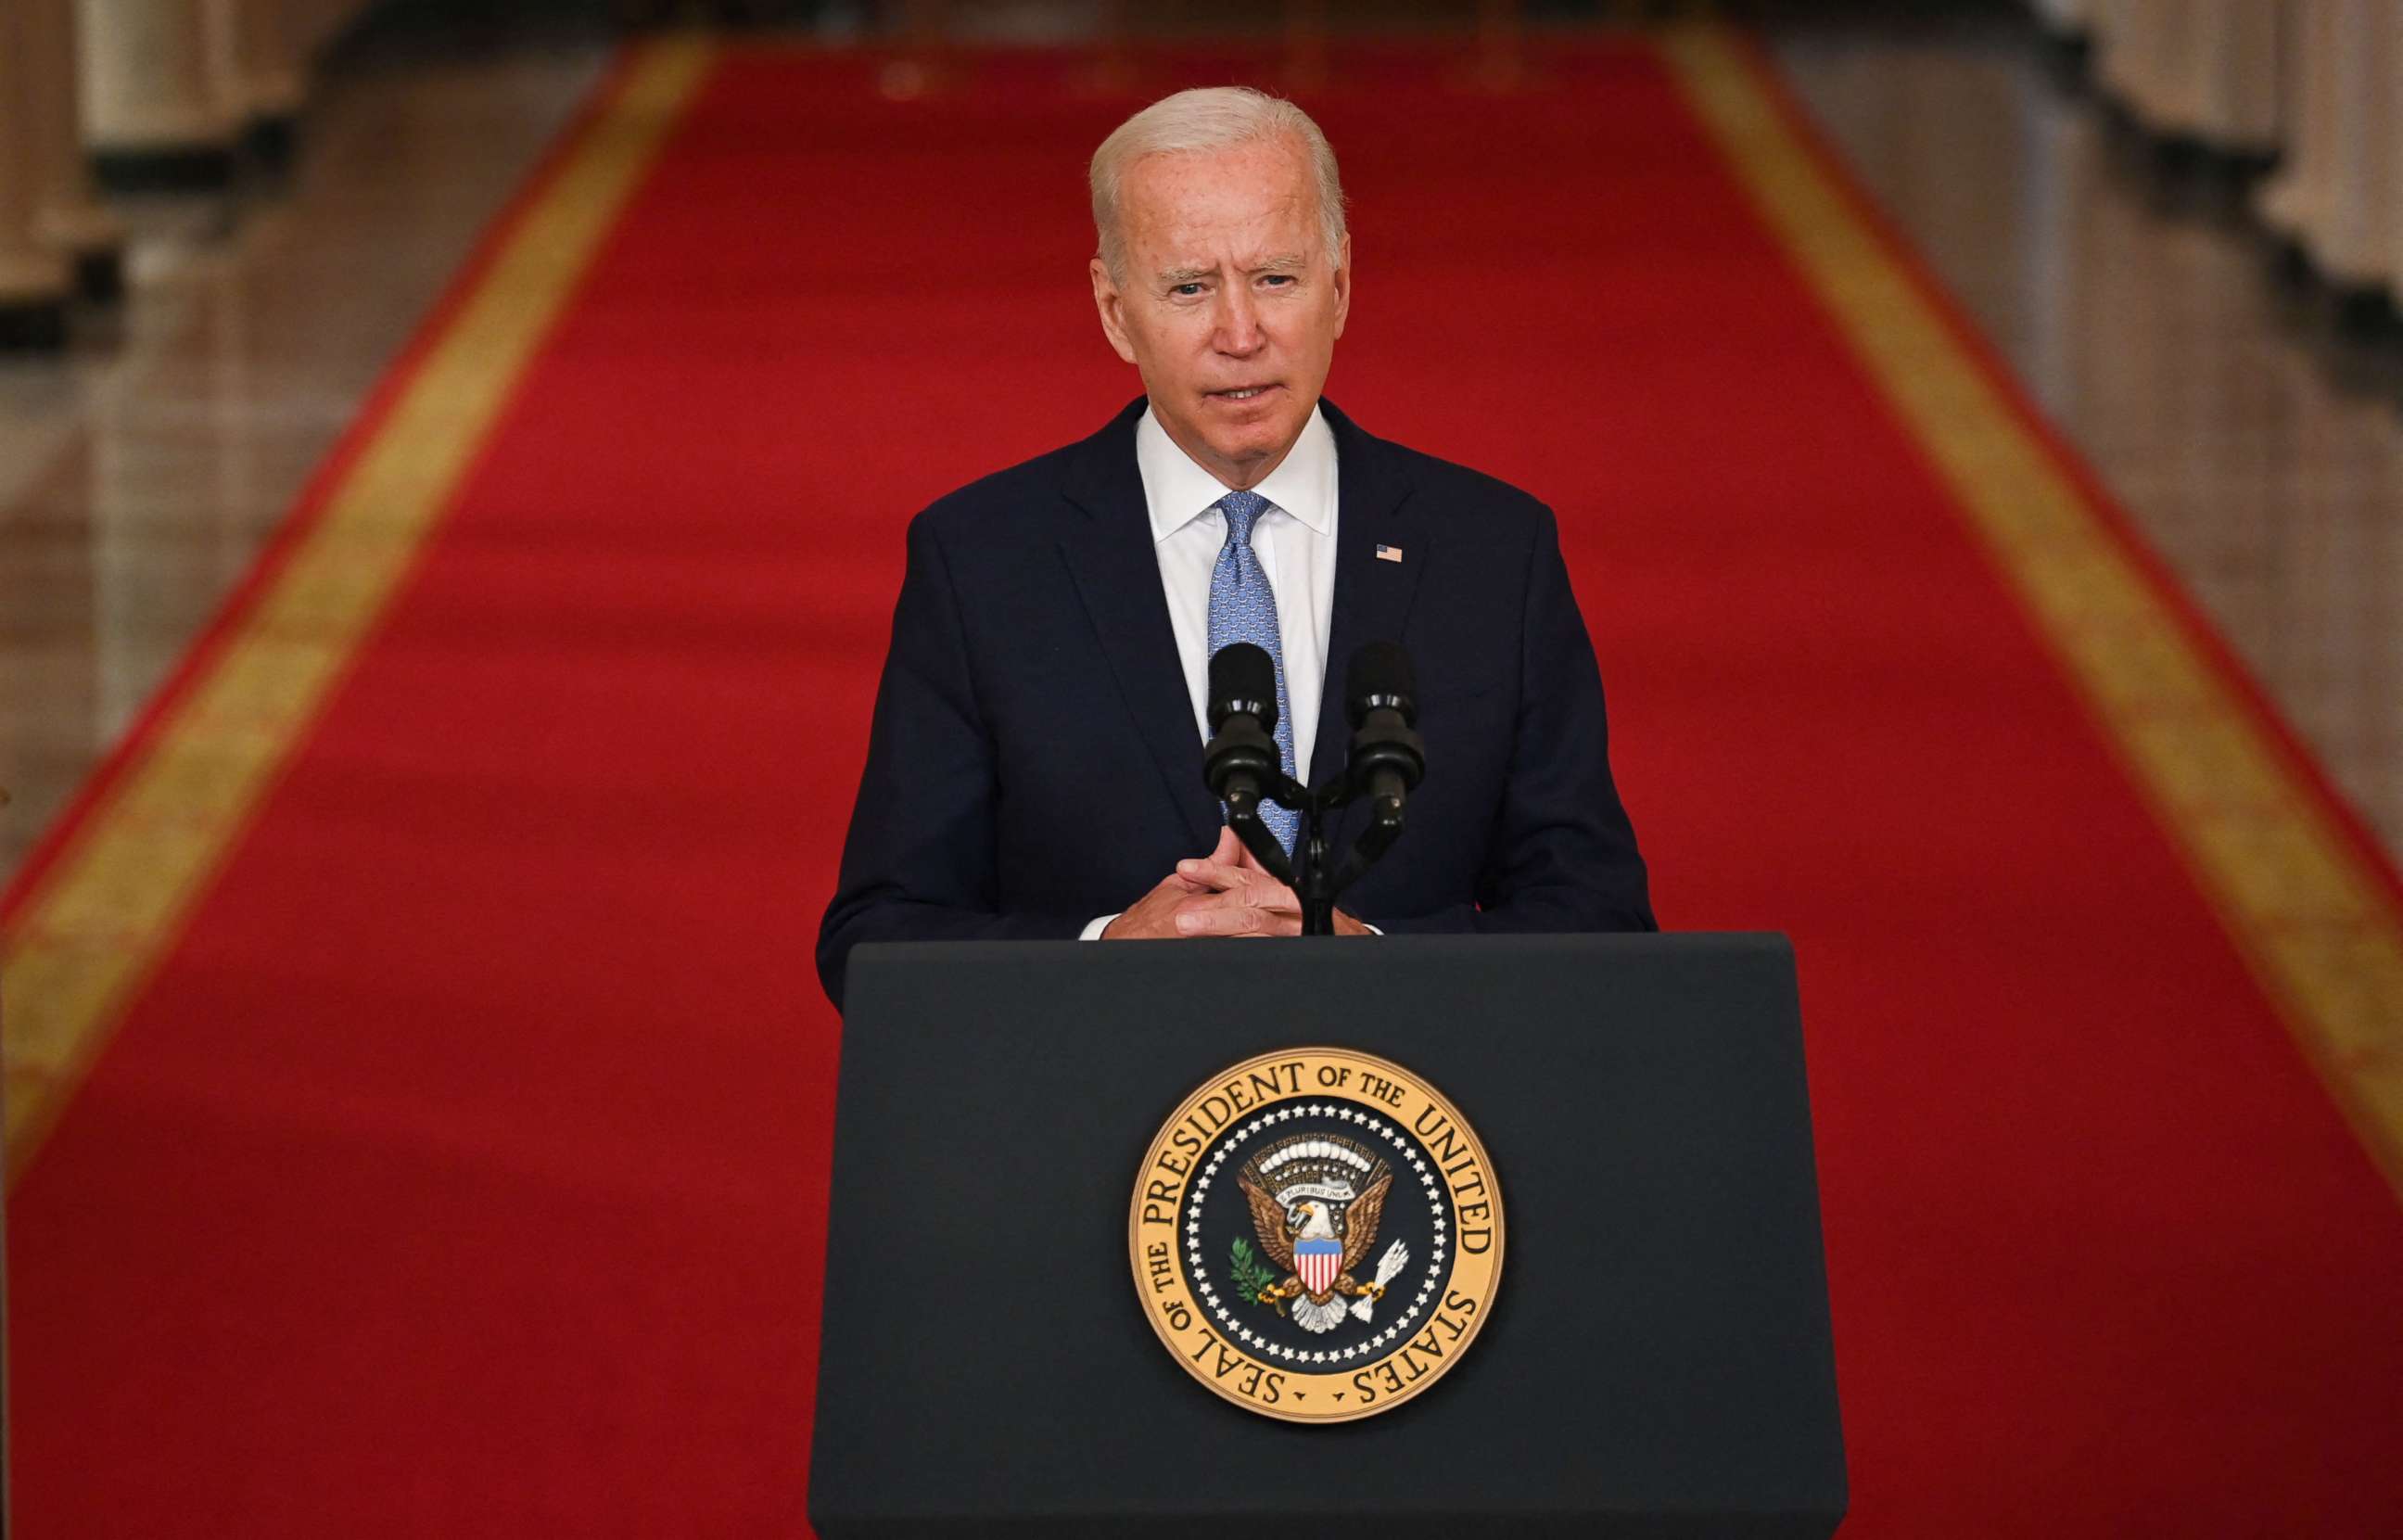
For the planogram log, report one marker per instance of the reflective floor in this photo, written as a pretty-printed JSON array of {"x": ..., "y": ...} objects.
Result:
[
  {"x": 2261, "y": 457},
  {"x": 139, "y": 477}
]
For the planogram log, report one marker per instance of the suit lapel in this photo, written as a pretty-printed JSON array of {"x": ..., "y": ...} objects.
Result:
[
  {"x": 1372, "y": 595},
  {"x": 1117, "y": 573},
  {"x": 1118, "y": 577}
]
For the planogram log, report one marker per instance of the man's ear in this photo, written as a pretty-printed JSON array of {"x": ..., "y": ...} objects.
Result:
[
  {"x": 1108, "y": 301},
  {"x": 1343, "y": 283}
]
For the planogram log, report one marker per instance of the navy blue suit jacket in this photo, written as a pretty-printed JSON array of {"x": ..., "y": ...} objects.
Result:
[{"x": 1034, "y": 761}]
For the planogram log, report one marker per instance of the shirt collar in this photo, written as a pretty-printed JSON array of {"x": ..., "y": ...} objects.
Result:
[{"x": 1178, "y": 490}]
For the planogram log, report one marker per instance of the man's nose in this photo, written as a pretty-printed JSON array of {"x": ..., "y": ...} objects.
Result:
[{"x": 1239, "y": 322}]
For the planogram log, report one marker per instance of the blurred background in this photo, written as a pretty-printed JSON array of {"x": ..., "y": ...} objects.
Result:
[
  {"x": 220, "y": 219},
  {"x": 418, "y": 1123}
]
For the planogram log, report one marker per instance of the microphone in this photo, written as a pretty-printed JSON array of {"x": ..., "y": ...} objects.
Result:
[
  {"x": 1388, "y": 758},
  {"x": 1241, "y": 762}
]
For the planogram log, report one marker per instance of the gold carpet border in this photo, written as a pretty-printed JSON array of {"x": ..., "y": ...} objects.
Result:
[
  {"x": 2306, "y": 907},
  {"x": 114, "y": 903}
]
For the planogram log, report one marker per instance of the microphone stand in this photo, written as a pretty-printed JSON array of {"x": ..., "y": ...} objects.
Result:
[{"x": 1314, "y": 877}]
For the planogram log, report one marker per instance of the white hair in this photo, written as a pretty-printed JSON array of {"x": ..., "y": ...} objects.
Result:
[{"x": 1212, "y": 118}]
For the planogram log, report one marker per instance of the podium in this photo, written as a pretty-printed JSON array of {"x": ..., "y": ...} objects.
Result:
[{"x": 1656, "y": 1359}]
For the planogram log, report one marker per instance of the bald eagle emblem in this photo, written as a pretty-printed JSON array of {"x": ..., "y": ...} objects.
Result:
[{"x": 1315, "y": 1199}]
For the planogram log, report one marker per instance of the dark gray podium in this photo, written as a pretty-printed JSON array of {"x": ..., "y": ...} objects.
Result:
[{"x": 1656, "y": 1360}]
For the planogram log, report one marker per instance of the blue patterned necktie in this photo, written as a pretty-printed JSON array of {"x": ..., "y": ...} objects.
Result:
[{"x": 1243, "y": 608}]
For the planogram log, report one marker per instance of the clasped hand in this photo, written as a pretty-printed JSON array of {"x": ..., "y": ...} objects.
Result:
[{"x": 1225, "y": 893}]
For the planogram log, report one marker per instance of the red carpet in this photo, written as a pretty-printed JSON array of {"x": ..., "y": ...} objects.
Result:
[{"x": 462, "y": 1171}]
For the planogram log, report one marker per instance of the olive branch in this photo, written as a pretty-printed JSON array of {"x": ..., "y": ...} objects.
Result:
[{"x": 1252, "y": 1275}]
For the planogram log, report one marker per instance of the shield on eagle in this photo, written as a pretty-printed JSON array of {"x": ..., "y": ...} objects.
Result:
[{"x": 1318, "y": 1262}]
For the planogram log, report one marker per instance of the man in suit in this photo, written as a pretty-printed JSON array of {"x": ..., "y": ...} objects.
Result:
[{"x": 1034, "y": 767}]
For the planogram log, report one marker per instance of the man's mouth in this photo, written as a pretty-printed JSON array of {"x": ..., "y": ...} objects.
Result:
[{"x": 1243, "y": 393}]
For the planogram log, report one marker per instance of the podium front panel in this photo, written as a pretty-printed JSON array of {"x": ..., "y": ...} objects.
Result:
[{"x": 1656, "y": 1360}]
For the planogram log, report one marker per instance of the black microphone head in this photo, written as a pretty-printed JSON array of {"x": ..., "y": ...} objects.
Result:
[
  {"x": 1379, "y": 676},
  {"x": 1242, "y": 681}
]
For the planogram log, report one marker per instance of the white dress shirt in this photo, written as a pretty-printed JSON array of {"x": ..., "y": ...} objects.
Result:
[{"x": 1295, "y": 541}]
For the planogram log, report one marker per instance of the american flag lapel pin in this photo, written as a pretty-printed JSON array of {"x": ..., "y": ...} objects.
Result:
[{"x": 1389, "y": 553}]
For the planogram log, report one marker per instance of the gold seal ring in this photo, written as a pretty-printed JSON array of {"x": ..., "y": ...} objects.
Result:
[{"x": 1316, "y": 1234}]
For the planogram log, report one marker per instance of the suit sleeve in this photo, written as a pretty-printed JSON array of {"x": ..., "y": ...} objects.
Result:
[
  {"x": 919, "y": 862},
  {"x": 1563, "y": 856}
]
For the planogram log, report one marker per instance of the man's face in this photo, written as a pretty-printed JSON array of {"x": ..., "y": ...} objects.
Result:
[{"x": 1231, "y": 303}]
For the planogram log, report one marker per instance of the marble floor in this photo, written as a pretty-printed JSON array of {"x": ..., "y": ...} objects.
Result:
[
  {"x": 2260, "y": 454},
  {"x": 139, "y": 475}
]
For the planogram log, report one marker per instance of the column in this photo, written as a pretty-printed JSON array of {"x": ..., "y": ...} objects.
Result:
[
  {"x": 2145, "y": 49},
  {"x": 2292, "y": 201},
  {"x": 2063, "y": 16},
  {"x": 154, "y": 77},
  {"x": 312, "y": 24},
  {"x": 2174, "y": 53},
  {"x": 2116, "y": 35},
  {"x": 2390, "y": 195},
  {"x": 2354, "y": 238},
  {"x": 2236, "y": 65},
  {"x": 267, "y": 79},
  {"x": 67, "y": 218},
  {"x": 34, "y": 278}
]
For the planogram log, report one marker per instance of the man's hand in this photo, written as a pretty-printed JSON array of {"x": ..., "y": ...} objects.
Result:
[
  {"x": 1225, "y": 893},
  {"x": 1153, "y": 917},
  {"x": 1243, "y": 899}
]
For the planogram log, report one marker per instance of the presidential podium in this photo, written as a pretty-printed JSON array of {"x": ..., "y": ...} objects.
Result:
[{"x": 1654, "y": 1358}]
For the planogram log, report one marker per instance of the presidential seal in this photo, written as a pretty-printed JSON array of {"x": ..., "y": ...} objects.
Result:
[{"x": 1316, "y": 1235}]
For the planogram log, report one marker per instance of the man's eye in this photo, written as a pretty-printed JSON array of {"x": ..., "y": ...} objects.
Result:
[
  {"x": 1278, "y": 280},
  {"x": 1187, "y": 290}
]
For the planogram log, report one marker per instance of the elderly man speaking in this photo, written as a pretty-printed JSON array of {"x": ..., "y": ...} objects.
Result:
[{"x": 1034, "y": 767}]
